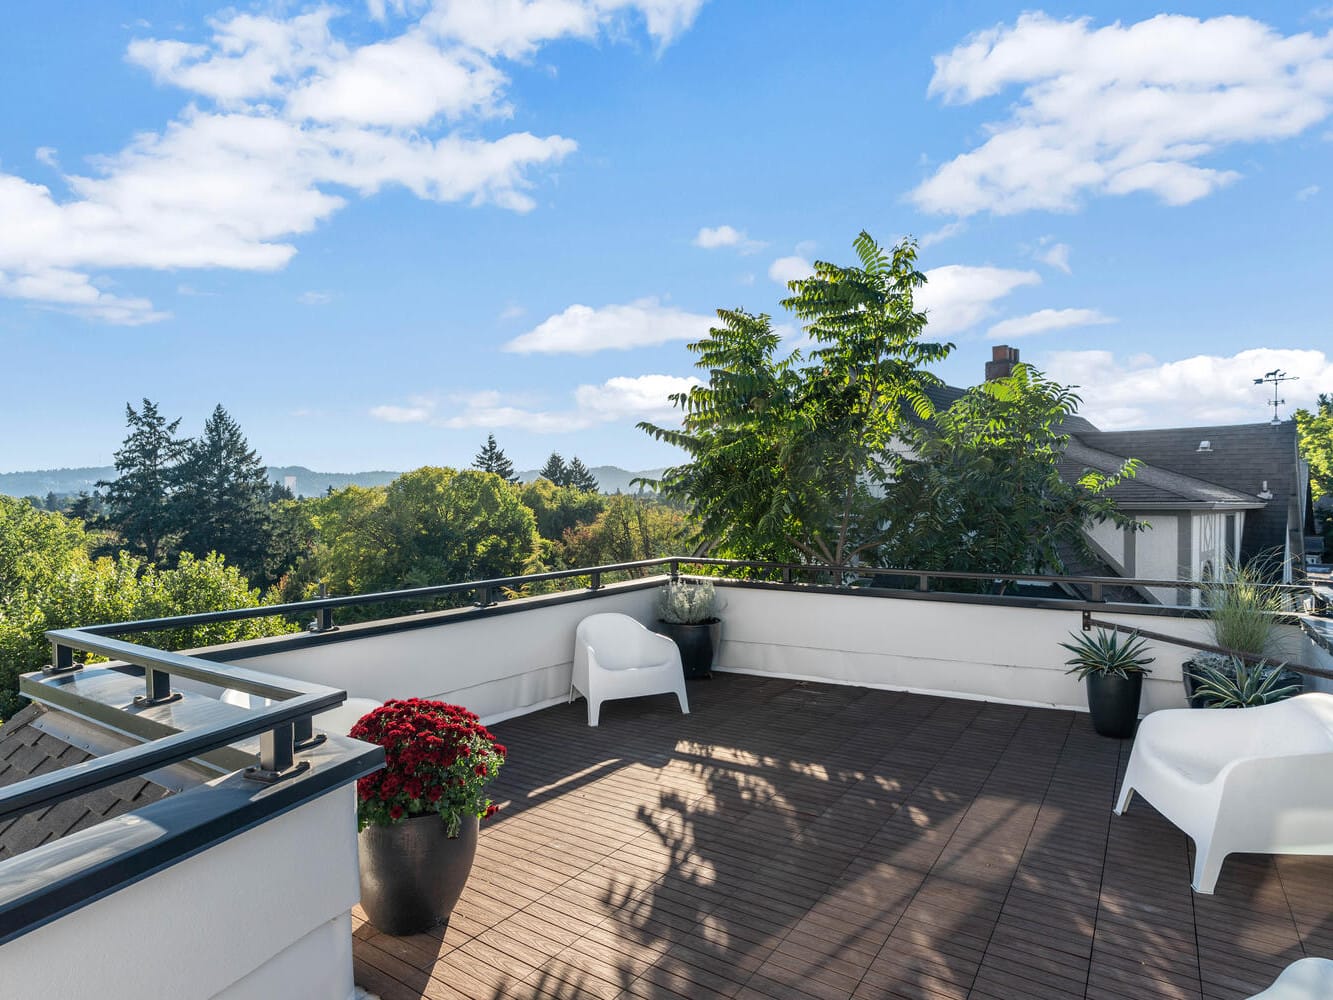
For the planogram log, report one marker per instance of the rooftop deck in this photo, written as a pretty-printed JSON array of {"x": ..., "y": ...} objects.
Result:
[{"x": 793, "y": 840}]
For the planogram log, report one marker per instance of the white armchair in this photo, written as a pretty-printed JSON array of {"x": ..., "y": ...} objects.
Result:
[
  {"x": 616, "y": 657},
  {"x": 1304, "y": 979},
  {"x": 1250, "y": 779}
]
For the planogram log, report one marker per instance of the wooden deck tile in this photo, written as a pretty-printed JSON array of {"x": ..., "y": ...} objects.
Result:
[{"x": 793, "y": 841}]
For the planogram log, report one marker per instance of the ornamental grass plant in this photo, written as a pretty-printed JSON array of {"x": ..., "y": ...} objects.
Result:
[
  {"x": 1245, "y": 608},
  {"x": 439, "y": 759}
]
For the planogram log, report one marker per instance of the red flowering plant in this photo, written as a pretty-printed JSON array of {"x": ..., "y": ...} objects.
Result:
[{"x": 438, "y": 759}]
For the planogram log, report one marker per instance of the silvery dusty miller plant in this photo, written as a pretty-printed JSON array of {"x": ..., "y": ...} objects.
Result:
[{"x": 681, "y": 603}]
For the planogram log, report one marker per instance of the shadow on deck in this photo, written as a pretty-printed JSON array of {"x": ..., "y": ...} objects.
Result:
[{"x": 793, "y": 840}]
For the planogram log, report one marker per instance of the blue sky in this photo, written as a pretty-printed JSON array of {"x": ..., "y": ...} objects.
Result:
[{"x": 377, "y": 232}]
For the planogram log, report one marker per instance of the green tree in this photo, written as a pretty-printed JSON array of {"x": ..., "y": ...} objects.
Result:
[
  {"x": 138, "y": 499},
  {"x": 559, "y": 508},
  {"x": 789, "y": 459},
  {"x": 492, "y": 459},
  {"x": 629, "y": 529},
  {"x": 1315, "y": 431},
  {"x": 48, "y": 580},
  {"x": 220, "y": 500},
  {"x": 580, "y": 477},
  {"x": 429, "y": 526},
  {"x": 979, "y": 487},
  {"x": 555, "y": 470}
]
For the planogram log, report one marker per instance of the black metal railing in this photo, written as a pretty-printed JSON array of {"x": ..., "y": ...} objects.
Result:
[{"x": 285, "y": 727}]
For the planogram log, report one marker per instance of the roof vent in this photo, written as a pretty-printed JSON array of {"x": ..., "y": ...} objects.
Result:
[
  {"x": 1205, "y": 446},
  {"x": 1265, "y": 493}
]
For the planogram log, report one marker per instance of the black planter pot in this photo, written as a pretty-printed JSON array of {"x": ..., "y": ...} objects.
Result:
[
  {"x": 412, "y": 875},
  {"x": 695, "y": 643},
  {"x": 1113, "y": 702}
]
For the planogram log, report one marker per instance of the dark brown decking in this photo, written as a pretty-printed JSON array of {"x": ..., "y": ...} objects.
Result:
[{"x": 809, "y": 841}]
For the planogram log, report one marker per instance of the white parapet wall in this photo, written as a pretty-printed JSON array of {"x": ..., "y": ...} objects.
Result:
[
  {"x": 498, "y": 666},
  {"x": 508, "y": 664},
  {"x": 996, "y": 652},
  {"x": 261, "y": 915}
]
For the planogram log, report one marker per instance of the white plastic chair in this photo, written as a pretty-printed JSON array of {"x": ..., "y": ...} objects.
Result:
[
  {"x": 616, "y": 657},
  {"x": 1257, "y": 780},
  {"x": 1304, "y": 979}
]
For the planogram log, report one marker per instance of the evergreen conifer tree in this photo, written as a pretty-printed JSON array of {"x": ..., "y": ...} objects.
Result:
[
  {"x": 580, "y": 477},
  {"x": 137, "y": 500},
  {"x": 221, "y": 498},
  {"x": 555, "y": 470},
  {"x": 492, "y": 459}
]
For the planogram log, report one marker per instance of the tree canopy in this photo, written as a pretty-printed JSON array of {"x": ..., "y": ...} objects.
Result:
[
  {"x": 220, "y": 501},
  {"x": 138, "y": 499},
  {"x": 787, "y": 457},
  {"x": 492, "y": 459},
  {"x": 1315, "y": 430},
  {"x": 978, "y": 487}
]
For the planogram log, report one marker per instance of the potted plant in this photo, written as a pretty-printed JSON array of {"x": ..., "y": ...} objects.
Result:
[
  {"x": 1230, "y": 682},
  {"x": 1113, "y": 667},
  {"x": 418, "y": 815},
  {"x": 686, "y": 613},
  {"x": 1244, "y": 615}
]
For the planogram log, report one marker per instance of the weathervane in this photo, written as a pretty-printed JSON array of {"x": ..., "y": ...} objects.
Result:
[{"x": 1277, "y": 377}]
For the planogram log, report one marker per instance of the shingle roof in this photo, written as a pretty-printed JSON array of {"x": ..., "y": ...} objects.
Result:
[
  {"x": 1151, "y": 486},
  {"x": 26, "y": 750},
  {"x": 1241, "y": 458}
]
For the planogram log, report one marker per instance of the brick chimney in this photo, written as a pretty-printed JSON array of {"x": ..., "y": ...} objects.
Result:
[{"x": 1001, "y": 363}]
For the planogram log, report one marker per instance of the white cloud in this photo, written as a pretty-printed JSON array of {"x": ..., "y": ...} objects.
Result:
[
  {"x": 287, "y": 120},
  {"x": 957, "y": 297},
  {"x": 1046, "y": 321},
  {"x": 70, "y": 291},
  {"x": 1307, "y": 192},
  {"x": 315, "y": 298},
  {"x": 1056, "y": 255},
  {"x": 1122, "y": 108},
  {"x": 582, "y": 329},
  {"x": 1204, "y": 389},
  {"x": 419, "y": 410},
  {"x": 47, "y": 157},
  {"x": 710, "y": 238},
  {"x": 622, "y": 399},
  {"x": 793, "y": 268},
  {"x": 512, "y": 311},
  {"x": 946, "y": 231}
]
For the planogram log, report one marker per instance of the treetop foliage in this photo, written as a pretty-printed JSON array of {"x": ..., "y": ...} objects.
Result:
[
  {"x": 1315, "y": 431},
  {"x": 492, "y": 459}
]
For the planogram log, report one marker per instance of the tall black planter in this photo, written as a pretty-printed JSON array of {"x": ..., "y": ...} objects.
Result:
[
  {"x": 1113, "y": 702},
  {"x": 695, "y": 643}
]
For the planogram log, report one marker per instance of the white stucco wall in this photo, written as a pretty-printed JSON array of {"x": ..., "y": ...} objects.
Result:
[
  {"x": 496, "y": 666},
  {"x": 1110, "y": 540},
  {"x": 262, "y": 915}
]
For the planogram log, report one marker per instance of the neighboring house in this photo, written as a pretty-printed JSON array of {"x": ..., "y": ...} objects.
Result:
[{"x": 1210, "y": 495}]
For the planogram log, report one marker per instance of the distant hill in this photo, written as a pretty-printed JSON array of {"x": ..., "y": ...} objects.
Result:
[
  {"x": 308, "y": 483},
  {"x": 610, "y": 478}
]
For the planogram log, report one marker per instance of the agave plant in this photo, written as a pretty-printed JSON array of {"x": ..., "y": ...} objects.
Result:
[
  {"x": 1107, "y": 652},
  {"x": 1238, "y": 684}
]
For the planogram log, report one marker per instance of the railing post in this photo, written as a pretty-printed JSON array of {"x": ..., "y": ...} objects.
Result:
[
  {"x": 1097, "y": 593},
  {"x": 596, "y": 582},
  {"x": 157, "y": 688},
  {"x": 675, "y": 570},
  {"x": 303, "y": 734},
  {"x": 62, "y": 659},
  {"x": 277, "y": 755},
  {"x": 324, "y": 616},
  {"x": 923, "y": 583},
  {"x": 484, "y": 597},
  {"x": 786, "y": 575}
]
